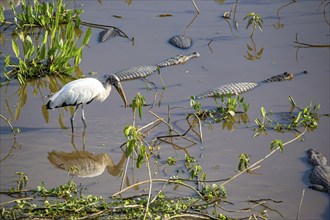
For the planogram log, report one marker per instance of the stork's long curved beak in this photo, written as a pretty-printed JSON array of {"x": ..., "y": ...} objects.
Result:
[{"x": 121, "y": 92}]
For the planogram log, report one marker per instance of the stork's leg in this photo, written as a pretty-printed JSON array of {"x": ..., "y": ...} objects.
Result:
[
  {"x": 83, "y": 115},
  {"x": 72, "y": 117}
]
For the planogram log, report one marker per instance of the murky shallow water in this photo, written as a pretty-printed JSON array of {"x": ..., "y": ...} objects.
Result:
[{"x": 284, "y": 175}]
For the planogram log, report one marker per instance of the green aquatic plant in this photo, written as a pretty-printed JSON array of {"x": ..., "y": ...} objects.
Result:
[
  {"x": 135, "y": 144},
  {"x": 262, "y": 124},
  {"x": 195, "y": 170},
  {"x": 57, "y": 52},
  {"x": 255, "y": 20},
  {"x": 307, "y": 117},
  {"x": 44, "y": 14},
  {"x": 22, "y": 180},
  {"x": 52, "y": 56},
  {"x": 205, "y": 200},
  {"x": 227, "y": 111},
  {"x": 137, "y": 103}
]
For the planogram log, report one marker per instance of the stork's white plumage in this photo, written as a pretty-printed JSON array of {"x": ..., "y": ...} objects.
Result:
[{"x": 81, "y": 92}]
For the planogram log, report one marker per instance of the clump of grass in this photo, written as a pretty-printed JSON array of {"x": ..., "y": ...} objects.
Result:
[
  {"x": 56, "y": 53},
  {"x": 42, "y": 14}
]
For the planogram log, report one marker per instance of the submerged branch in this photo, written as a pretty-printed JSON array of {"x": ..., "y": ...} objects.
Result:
[{"x": 305, "y": 45}]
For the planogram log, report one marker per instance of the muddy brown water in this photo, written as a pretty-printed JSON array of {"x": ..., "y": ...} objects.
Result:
[{"x": 284, "y": 176}]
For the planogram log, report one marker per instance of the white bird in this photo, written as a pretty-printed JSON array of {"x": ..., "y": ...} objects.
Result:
[{"x": 83, "y": 91}]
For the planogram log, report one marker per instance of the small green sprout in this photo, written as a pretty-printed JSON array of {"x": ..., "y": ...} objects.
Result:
[
  {"x": 244, "y": 161},
  {"x": 255, "y": 20}
]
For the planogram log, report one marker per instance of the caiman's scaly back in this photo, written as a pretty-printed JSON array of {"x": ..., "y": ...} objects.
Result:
[{"x": 238, "y": 88}]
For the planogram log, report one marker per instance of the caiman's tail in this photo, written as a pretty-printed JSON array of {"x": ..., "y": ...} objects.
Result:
[{"x": 282, "y": 77}]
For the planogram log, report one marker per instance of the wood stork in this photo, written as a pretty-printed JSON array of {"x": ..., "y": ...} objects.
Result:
[{"x": 83, "y": 91}]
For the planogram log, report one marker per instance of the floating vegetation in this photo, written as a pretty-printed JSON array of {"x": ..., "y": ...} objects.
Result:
[
  {"x": 307, "y": 117},
  {"x": 226, "y": 111},
  {"x": 165, "y": 15},
  {"x": 204, "y": 199},
  {"x": 117, "y": 16}
]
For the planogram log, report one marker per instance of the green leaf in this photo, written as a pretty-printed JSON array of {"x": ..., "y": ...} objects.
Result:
[
  {"x": 127, "y": 131},
  {"x": 45, "y": 38},
  {"x": 2, "y": 15},
  {"x": 263, "y": 111},
  {"x": 130, "y": 147},
  {"x": 15, "y": 47},
  {"x": 42, "y": 55},
  {"x": 276, "y": 144},
  {"x": 258, "y": 122},
  {"x": 87, "y": 36},
  {"x": 244, "y": 161},
  {"x": 292, "y": 102},
  {"x": 297, "y": 118},
  {"x": 139, "y": 161},
  {"x": 45, "y": 113}
]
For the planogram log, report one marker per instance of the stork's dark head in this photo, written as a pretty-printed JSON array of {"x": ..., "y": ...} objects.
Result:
[{"x": 114, "y": 81}]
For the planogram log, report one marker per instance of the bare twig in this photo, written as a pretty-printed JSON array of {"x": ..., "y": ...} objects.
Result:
[
  {"x": 300, "y": 204},
  {"x": 173, "y": 129},
  {"x": 159, "y": 192},
  {"x": 150, "y": 187},
  {"x": 305, "y": 45},
  {"x": 102, "y": 26},
  {"x": 193, "y": 1},
  {"x": 124, "y": 175},
  {"x": 190, "y": 216},
  {"x": 264, "y": 158},
  {"x": 158, "y": 180},
  {"x": 16, "y": 200},
  {"x": 263, "y": 203},
  {"x": 209, "y": 45},
  {"x": 8, "y": 122},
  {"x": 200, "y": 135}
]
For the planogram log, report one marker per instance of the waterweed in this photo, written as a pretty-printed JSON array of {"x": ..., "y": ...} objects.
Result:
[{"x": 50, "y": 55}]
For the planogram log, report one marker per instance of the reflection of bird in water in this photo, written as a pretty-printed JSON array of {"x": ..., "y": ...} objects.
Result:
[
  {"x": 88, "y": 164},
  {"x": 81, "y": 92}
]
